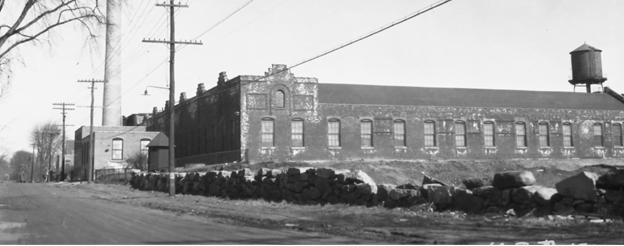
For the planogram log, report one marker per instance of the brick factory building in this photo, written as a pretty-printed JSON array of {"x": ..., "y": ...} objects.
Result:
[
  {"x": 113, "y": 146},
  {"x": 280, "y": 117}
]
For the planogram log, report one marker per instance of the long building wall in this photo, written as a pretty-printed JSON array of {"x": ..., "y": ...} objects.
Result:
[{"x": 504, "y": 120}]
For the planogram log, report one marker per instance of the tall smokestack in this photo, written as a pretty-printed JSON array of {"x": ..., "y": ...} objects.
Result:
[{"x": 111, "y": 113}]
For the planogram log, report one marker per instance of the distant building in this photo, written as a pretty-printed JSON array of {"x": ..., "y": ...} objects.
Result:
[
  {"x": 280, "y": 117},
  {"x": 113, "y": 146}
]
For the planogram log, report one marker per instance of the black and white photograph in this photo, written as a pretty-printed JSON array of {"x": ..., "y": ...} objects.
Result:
[{"x": 311, "y": 122}]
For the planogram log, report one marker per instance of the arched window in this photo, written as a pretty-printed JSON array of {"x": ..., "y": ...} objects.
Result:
[
  {"x": 280, "y": 99},
  {"x": 544, "y": 136},
  {"x": 144, "y": 148},
  {"x": 297, "y": 132},
  {"x": 460, "y": 134},
  {"x": 617, "y": 134},
  {"x": 117, "y": 149},
  {"x": 333, "y": 133},
  {"x": 268, "y": 132},
  {"x": 399, "y": 133},
  {"x": 567, "y": 135},
  {"x": 521, "y": 134},
  {"x": 598, "y": 139},
  {"x": 430, "y": 133},
  {"x": 488, "y": 134},
  {"x": 366, "y": 133}
]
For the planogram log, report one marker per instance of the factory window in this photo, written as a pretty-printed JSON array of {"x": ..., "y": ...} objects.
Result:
[
  {"x": 144, "y": 148},
  {"x": 430, "y": 139},
  {"x": 297, "y": 133},
  {"x": 117, "y": 149},
  {"x": 399, "y": 133},
  {"x": 333, "y": 133},
  {"x": 617, "y": 134},
  {"x": 460, "y": 134},
  {"x": 488, "y": 134},
  {"x": 280, "y": 101},
  {"x": 366, "y": 133},
  {"x": 598, "y": 141},
  {"x": 567, "y": 135},
  {"x": 521, "y": 140},
  {"x": 544, "y": 137},
  {"x": 267, "y": 132}
]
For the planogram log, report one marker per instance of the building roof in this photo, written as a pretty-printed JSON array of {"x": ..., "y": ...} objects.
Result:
[
  {"x": 585, "y": 47},
  {"x": 458, "y": 97},
  {"x": 161, "y": 140}
]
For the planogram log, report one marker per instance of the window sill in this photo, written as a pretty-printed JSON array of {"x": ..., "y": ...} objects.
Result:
[
  {"x": 300, "y": 147},
  {"x": 550, "y": 148},
  {"x": 599, "y": 147},
  {"x": 431, "y": 147},
  {"x": 522, "y": 147},
  {"x": 400, "y": 147},
  {"x": 334, "y": 147},
  {"x": 267, "y": 148},
  {"x": 490, "y": 147},
  {"x": 367, "y": 148},
  {"x": 618, "y": 147},
  {"x": 461, "y": 147},
  {"x": 568, "y": 147}
]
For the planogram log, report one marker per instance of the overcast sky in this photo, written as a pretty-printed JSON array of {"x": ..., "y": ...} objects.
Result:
[{"x": 490, "y": 44}]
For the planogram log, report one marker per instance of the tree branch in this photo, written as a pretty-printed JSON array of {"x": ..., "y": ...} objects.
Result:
[
  {"x": 43, "y": 31},
  {"x": 19, "y": 20}
]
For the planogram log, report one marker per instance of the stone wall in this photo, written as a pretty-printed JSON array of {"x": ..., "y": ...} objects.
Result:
[{"x": 512, "y": 193}]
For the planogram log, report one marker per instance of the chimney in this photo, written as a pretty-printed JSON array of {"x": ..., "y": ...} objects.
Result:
[
  {"x": 222, "y": 78},
  {"x": 154, "y": 111},
  {"x": 167, "y": 105},
  {"x": 111, "y": 110},
  {"x": 182, "y": 97},
  {"x": 200, "y": 89}
]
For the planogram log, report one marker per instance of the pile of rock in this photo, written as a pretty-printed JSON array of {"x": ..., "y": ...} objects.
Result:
[
  {"x": 509, "y": 190},
  {"x": 587, "y": 192}
]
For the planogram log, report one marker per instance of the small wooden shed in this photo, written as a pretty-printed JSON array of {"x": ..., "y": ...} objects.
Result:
[{"x": 158, "y": 159}]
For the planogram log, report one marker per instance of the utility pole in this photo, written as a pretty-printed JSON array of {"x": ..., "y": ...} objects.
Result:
[
  {"x": 90, "y": 167},
  {"x": 172, "y": 42},
  {"x": 64, "y": 108},
  {"x": 32, "y": 165}
]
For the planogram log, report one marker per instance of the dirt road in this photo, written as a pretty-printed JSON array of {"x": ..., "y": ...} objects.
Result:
[{"x": 45, "y": 214}]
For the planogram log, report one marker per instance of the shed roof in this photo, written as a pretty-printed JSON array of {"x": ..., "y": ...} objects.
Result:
[
  {"x": 161, "y": 140},
  {"x": 459, "y": 97}
]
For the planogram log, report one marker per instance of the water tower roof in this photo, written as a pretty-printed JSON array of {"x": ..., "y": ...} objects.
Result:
[{"x": 586, "y": 47}]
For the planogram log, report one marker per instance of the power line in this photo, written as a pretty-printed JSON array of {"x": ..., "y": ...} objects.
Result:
[
  {"x": 258, "y": 17},
  {"x": 386, "y": 27},
  {"x": 224, "y": 19},
  {"x": 165, "y": 60},
  {"x": 425, "y": 10}
]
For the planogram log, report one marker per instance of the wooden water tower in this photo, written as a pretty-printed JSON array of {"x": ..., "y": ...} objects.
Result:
[{"x": 586, "y": 67}]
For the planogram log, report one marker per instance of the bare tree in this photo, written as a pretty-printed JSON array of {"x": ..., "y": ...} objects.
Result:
[
  {"x": 138, "y": 160},
  {"x": 20, "y": 165},
  {"x": 39, "y": 17},
  {"x": 47, "y": 140}
]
